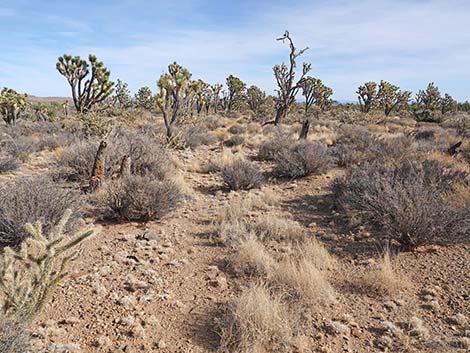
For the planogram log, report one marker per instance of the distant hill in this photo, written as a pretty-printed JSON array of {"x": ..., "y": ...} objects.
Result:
[{"x": 36, "y": 99}]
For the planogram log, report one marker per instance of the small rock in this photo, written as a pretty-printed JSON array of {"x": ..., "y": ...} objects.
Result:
[{"x": 161, "y": 344}]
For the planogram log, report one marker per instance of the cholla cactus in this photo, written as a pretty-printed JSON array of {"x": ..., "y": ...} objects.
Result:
[
  {"x": 316, "y": 93},
  {"x": 144, "y": 98},
  {"x": 367, "y": 96},
  {"x": 95, "y": 89},
  {"x": 285, "y": 77},
  {"x": 236, "y": 91},
  {"x": 28, "y": 276},
  {"x": 12, "y": 104},
  {"x": 390, "y": 98},
  {"x": 173, "y": 88},
  {"x": 123, "y": 94}
]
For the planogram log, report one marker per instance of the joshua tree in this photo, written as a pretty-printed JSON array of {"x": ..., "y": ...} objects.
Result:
[
  {"x": 390, "y": 97},
  {"x": 201, "y": 92},
  {"x": 236, "y": 90},
  {"x": 96, "y": 87},
  {"x": 367, "y": 96},
  {"x": 144, "y": 98},
  {"x": 215, "y": 96},
  {"x": 285, "y": 77},
  {"x": 12, "y": 104},
  {"x": 123, "y": 94},
  {"x": 316, "y": 93},
  {"x": 448, "y": 104},
  {"x": 255, "y": 98},
  {"x": 429, "y": 99},
  {"x": 173, "y": 88}
]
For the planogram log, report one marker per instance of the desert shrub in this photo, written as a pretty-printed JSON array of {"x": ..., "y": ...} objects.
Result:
[
  {"x": 138, "y": 198},
  {"x": 256, "y": 321},
  {"x": 425, "y": 135},
  {"x": 148, "y": 157},
  {"x": 7, "y": 163},
  {"x": 408, "y": 202},
  {"x": 235, "y": 140},
  {"x": 301, "y": 159},
  {"x": 19, "y": 147},
  {"x": 278, "y": 141},
  {"x": 31, "y": 199},
  {"x": 241, "y": 174},
  {"x": 14, "y": 338},
  {"x": 75, "y": 162},
  {"x": 196, "y": 136},
  {"x": 236, "y": 129},
  {"x": 352, "y": 145},
  {"x": 213, "y": 122}
]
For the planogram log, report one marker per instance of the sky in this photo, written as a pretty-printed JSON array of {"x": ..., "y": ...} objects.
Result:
[{"x": 408, "y": 43}]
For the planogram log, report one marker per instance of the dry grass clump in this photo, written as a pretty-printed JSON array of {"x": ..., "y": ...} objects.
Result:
[
  {"x": 304, "y": 281},
  {"x": 384, "y": 278},
  {"x": 241, "y": 175},
  {"x": 31, "y": 199},
  {"x": 314, "y": 251},
  {"x": 138, "y": 198},
  {"x": 252, "y": 258},
  {"x": 257, "y": 321},
  {"x": 410, "y": 202},
  {"x": 14, "y": 338},
  {"x": 301, "y": 159},
  {"x": 273, "y": 227}
]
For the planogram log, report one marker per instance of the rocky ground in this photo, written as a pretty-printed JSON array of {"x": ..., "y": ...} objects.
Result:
[{"x": 161, "y": 286}]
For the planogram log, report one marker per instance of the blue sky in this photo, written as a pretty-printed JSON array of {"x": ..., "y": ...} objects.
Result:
[{"x": 408, "y": 43}]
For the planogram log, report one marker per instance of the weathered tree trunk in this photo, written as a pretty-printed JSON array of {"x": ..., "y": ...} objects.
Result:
[
  {"x": 97, "y": 173},
  {"x": 305, "y": 128}
]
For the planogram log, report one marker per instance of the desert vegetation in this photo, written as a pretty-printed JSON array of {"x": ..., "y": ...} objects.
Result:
[{"x": 193, "y": 216}]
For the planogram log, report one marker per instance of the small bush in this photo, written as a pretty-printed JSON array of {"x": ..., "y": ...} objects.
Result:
[
  {"x": 197, "y": 136},
  {"x": 31, "y": 199},
  {"x": 14, "y": 338},
  {"x": 19, "y": 147},
  {"x": 409, "y": 202},
  {"x": 75, "y": 162},
  {"x": 301, "y": 159},
  {"x": 236, "y": 129},
  {"x": 352, "y": 145},
  {"x": 241, "y": 174},
  {"x": 274, "y": 144},
  {"x": 235, "y": 140},
  {"x": 148, "y": 157},
  {"x": 138, "y": 198},
  {"x": 7, "y": 163}
]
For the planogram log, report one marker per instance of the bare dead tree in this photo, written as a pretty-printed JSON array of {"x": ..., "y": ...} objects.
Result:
[{"x": 285, "y": 78}]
